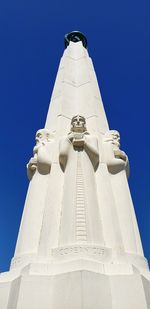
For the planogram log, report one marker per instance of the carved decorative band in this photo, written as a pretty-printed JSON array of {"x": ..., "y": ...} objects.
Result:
[
  {"x": 77, "y": 252},
  {"x": 94, "y": 252}
]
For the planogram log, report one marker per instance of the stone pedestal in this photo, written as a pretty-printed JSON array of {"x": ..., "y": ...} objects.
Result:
[{"x": 78, "y": 289}]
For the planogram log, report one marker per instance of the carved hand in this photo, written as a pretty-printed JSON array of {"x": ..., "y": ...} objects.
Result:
[
  {"x": 78, "y": 143},
  {"x": 119, "y": 154},
  {"x": 32, "y": 165},
  {"x": 78, "y": 140}
]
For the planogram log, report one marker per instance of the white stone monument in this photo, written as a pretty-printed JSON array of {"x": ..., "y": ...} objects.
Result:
[{"x": 78, "y": 245}]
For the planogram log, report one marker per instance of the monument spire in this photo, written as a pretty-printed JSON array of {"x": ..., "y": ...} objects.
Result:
[
  {"x": 76, "y": 89},
  {"x": 78, "y": 245}
]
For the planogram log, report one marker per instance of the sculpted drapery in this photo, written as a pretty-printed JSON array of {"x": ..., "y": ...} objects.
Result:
[{"x": 79, "y": 159}]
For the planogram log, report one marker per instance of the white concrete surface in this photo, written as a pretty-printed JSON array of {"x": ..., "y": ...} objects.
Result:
[{"x": 79, "y": 244}]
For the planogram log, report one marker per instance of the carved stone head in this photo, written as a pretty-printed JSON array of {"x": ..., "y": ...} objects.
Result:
[
  {"x": 78, "y": 124},
  {"x": 43, "y": 135},
  {"x": 113, "y": 137}
]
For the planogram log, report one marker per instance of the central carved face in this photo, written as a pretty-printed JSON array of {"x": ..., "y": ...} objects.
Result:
[{"x": 78, "y": 124}]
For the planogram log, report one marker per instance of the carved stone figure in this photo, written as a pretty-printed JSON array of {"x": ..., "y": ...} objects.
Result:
[
  {"x": 115, "y": 158},
  {"x": 79, "y": 159},
  {"x": 41, "y": 160},
  {"x": 39, "y": 166},
  {"x": 80, "y": 140},
  {"x": 118, "y": 167}
]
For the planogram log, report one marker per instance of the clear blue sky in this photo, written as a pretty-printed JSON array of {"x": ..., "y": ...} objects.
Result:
[{"x": 31, "y": 36}]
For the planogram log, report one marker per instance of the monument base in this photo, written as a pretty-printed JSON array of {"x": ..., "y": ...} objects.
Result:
[{"x": 79, "y": 289}]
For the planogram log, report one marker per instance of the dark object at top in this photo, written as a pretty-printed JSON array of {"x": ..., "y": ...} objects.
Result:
[{"x": 75, "y": 36}]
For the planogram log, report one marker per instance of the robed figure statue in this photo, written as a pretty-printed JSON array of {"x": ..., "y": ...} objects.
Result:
[{"x": 79, "y": 160}]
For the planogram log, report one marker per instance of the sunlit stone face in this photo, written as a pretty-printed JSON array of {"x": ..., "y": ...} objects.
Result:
[
  {"x": 42, "y": 135},
  {"x": 113, "y": 136},
  {"x": 78, "y": 124}
]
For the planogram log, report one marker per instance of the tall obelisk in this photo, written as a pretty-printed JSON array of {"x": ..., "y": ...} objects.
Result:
[{"x": 78, "y": 245}]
